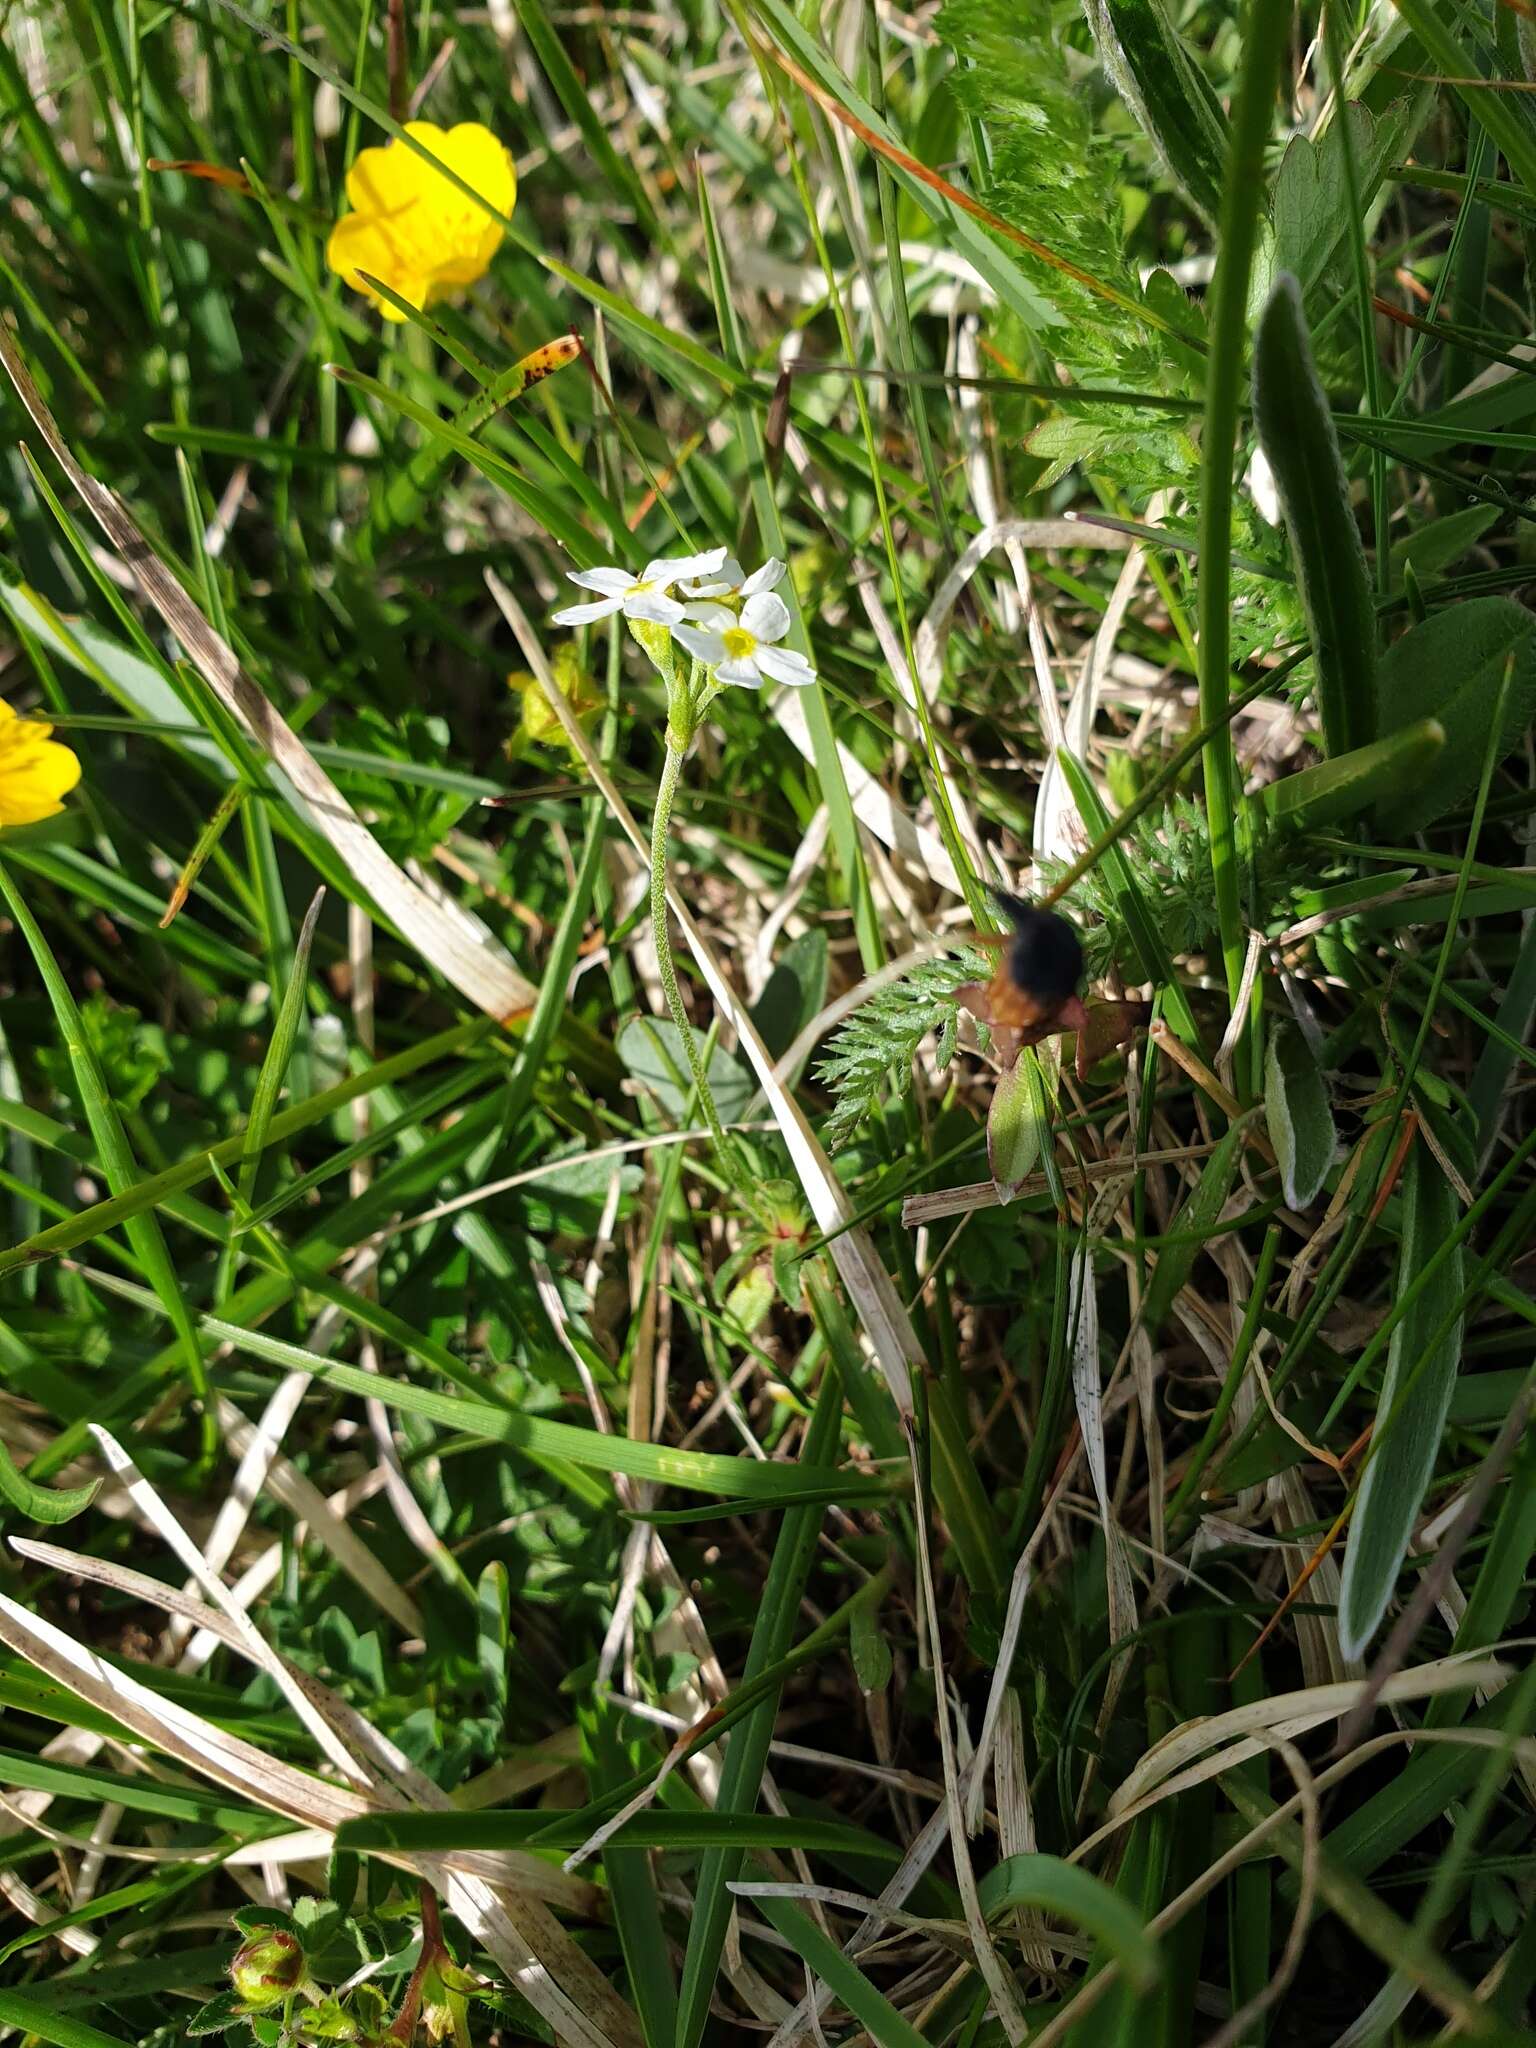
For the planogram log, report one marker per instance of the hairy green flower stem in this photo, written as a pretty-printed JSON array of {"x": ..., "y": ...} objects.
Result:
[{"x": 685, "y": 705}]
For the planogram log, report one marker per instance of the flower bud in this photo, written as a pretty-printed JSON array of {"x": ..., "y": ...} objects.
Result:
[
  {"x": 268, "y": 1967},
  {"x": 656, "y": 639},
  {"x": 540, "y": 721}
]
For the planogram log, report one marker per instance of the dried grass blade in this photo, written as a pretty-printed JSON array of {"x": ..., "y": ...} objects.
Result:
[{"x": 193, "y": 1742}]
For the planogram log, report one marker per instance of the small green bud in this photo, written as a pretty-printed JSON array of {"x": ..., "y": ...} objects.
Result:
[
  {"x": 656, "y": 639},
  {"x": 268, "y": 1968},
  {"x": 540, "y": 721},
  {"x": 444, "y": 1992},
  {"x": 1124, "y": 776},
  {"x": 751, "y": 1298}
]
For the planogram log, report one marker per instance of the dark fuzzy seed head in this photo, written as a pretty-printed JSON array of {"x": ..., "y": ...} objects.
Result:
[{"x": 1046, "y": 957}]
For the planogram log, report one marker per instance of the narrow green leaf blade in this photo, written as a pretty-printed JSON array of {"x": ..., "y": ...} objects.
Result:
[
  {"x": 747, "y": 1755},
  {"x": 659, "y": 1828},
  {"x": 698, "y": 1471},
  {"x": 871, "y": 2008},
  {"x": 35, "y": 2016},
  {"x": 1315, "y": 798},
  {"x": 1410, "y": 1412},
  {"x": 157, "y": 1188},
  {"x": 285, "y": 1032},
  {"x": 1075, "y": 1895},
  {"x": 118, "y": 1162},
  {"x": 47, "y": 1504},
  {"x": 1192, "y": 1223}
]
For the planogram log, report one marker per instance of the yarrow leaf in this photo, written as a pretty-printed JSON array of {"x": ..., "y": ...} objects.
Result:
[{"x": 885, "y": 1033}]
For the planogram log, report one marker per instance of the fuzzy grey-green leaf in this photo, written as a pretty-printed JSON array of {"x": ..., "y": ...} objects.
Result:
[
  {"x": 1165, "y": 89},
  {"x": 1299, "y": 1115},
  {"x": 1297, "y": 434},
  {"x": 653, "y": 1052},
  {"x": 1018, "y": 1124},
  {"x": 1450, "y": 668}
]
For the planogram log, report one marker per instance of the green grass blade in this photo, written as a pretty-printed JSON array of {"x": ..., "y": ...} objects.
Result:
[
  {"x": 1192, "y": 1226},
  {"x": 39, "y": 2019},
  {"x": 550, "y": 514},
  {"x": 871, "y": 2008},
  {"x": 118, "y": 1162},
  {"x": 1402, "y": 1455},
  {"x": 695, "y": 1471},
  {"x": 617, "y": 173},
  {"x": 632, "y": 1890},
  {"x": 1241, "y": 211},
  {"x": 1504, "y": 121},
  {"x": 1313, "y": 799},
  {"x": 414, "y": 1833},
  {"x": 47, "y": 1504},
  {"x": 1067, "y": 1892},
  {"x": 149, "y": 1191},
  {"x": 274, "y": 1067},
  {"x": 747, "y": 1755}
]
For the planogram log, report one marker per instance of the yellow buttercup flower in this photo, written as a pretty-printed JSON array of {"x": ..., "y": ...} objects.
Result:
[
  {"x": 414, "y": 230},
  {"x": 35, "y": 771}
]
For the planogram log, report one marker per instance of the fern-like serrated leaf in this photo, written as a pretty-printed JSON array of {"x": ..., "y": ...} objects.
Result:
[
  {"x": 1052, "y": 169},
  {"x": 885, "y": 1033},
  {"x": 1170, "y": 848}
]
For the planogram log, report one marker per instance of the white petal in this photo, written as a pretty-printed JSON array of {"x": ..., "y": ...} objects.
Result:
[
  {"x": 611, "y": 582},
  {"x": 726, "y": 579},
  {"x": 785, "y": 666},
  {"x": 583, "y": 614},
  {"x": 706, "y": 647},
  {"x": 672, "y": 568},
  {"x": 765, "y": 616},
  {"x": 745, "y": 672},
  {"x": 650, "y": 604},
  {"x": 769, "y": 577},
  {"x": 717, "y": 617}
]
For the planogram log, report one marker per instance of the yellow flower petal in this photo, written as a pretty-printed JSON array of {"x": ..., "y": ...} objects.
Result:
[
  {"x": 35, "y": 771},
  {"x": 411, "y": 227},
  {"x": 486, "y": 167},
  {"x": 385, "y": 179},
  {"x": 360, "y": 242}
]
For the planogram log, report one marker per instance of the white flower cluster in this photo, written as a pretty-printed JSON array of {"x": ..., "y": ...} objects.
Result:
[{"x": 730, "y": 622}]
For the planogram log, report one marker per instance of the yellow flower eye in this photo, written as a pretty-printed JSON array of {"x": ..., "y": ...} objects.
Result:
[
  {"x": 739, "y": 643},
  {"x": 414, "y": 229}
]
